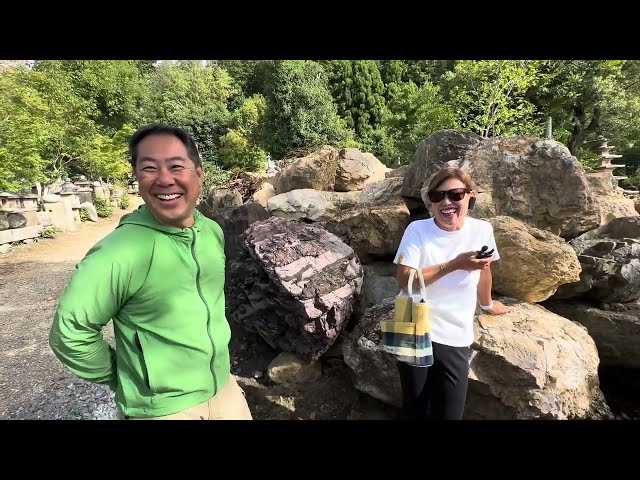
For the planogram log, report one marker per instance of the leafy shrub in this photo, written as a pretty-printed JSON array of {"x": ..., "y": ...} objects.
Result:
[{"x": 103, "y": 208}]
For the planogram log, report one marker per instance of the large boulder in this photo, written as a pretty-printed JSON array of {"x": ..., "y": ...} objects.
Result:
[
  {"x": 610, "y": 260},
  {"x": 234, "y": 221},
  {"x": 533, "y": 263},
  {"x": 620, "y": 228},
  {"x": 220, "y": 199},
  {"x": 536, "y": 181},
  {"x": 374, "y": 227},
  {"x": 616, "y": 333},
  {"x": 295, "y": 284},
  {"x": 431, "y": 155},
  {"x": 317, "y": 171},
  {"x": 609, "y": 198},
  {"x": 372, "y": 231},
  {"x": 528, "y": 363},
  {"x": 379, "y": 284},
  {"x": 263, "y": 194},
  {"x": 309, "y": 204},
  {"x": 397, "y": 172},
  {"x": 356, "y": 170},
  {"x": 383, "y": 192}
]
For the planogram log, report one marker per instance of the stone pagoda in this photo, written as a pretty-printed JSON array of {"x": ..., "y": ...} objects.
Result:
[{"x": 603, "y": 150}]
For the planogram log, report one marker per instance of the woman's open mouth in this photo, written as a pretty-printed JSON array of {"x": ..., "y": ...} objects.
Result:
[{"x": 448, "y": 212}]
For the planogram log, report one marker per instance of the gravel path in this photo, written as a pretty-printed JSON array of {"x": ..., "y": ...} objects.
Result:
[{"x": 33, "y": 383}]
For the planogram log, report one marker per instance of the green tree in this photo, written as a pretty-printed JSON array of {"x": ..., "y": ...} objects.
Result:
[
  {"x": 117, "y": 88},
  {"x": 300, "y": 111},
  {"x": 193, "y": 96},
  {"x": 392, "y": 71},
  {"x": 24, "y": 128},
  {"x": 105, "y": 156},
  {"x": 239, "y": 147},
  {"x": 588, "y": 98},
  {"x": 70, "y": 119},
  {"x": 489, "y": 96},
  {"x": 357, "y": 89},
  {"x": 236, "y": 153},
  {"x": 249, "y": 75},
  {"x": 414, "y": 71},
  {"x": 249, "y": 116},
  {"x": 414, "y": 114},
  {"x": 48, "y": 131}
]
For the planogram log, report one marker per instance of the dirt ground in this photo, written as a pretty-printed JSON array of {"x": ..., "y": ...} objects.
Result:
[{"x": 32, "y": 277}]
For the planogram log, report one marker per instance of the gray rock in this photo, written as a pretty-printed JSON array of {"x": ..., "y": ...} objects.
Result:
[
  {"x": 431, "y": 155},
  {"x": 316, "y": 171},
  {"x": 4, "y": 223},
  {"x": 16, "y": 220},
  {"x": 91, "y": 210},
  {"x": 294, "y": 284},
  {"x": 610, "y": 263},
  {"x": 616, "y": 333}
]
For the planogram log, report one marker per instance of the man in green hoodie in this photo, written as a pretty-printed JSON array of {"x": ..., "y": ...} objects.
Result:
[{"x": 160, "y": 276}]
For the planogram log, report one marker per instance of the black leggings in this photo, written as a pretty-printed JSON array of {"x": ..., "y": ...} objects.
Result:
[{"x": 437, "y": 392}]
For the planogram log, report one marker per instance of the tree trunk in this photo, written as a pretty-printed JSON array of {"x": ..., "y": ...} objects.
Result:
[
  {"x": 576, "y": 140},
  {"x": 580, "y": 132}
]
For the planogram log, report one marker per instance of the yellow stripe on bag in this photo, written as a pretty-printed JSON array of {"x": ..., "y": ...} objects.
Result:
[
  {"x": 407, "y": 328},
  {"x": 403, "y": 309},
  {"x": 420, "y": 316}
]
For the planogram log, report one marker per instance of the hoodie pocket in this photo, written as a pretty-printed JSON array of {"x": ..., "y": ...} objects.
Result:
[{"x": 143, "y": 363}]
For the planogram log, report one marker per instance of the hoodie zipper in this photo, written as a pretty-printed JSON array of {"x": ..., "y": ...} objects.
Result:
[{"x": 193, "y": 254}]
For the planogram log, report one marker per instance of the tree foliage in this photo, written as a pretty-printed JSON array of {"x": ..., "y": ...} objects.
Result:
[
  {"x": 490, "y": 96},
  {"x": 193, "y": 96},
  {"x": 64, "y": 117},
  {"x": 357, "y": 89},
  {"x": 300, "y": 111},
  {"x": 114, "y": 88},
  {"x": 590, "y": 98},
  {"x": 414, "y": 114}
]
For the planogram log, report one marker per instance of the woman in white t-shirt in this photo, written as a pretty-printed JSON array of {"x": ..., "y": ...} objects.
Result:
[{"x": 445, "y": 247}]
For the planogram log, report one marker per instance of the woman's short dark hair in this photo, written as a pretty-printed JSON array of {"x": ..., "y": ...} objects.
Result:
[{"x": 158, "y": 129}]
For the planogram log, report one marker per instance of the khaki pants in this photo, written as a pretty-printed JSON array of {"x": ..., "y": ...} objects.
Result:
[{"x": 228, "y": 404}]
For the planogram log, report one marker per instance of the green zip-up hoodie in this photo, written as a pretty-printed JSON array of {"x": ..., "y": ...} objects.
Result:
[{"x": 164, "y": 289}]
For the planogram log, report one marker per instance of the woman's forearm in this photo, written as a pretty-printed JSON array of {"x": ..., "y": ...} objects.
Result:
[
  {"x": 484, "y": 287},
  {"x": 431, "y": 274}
]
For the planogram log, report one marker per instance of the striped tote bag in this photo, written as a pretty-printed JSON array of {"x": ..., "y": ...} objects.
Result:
[{"x": 407, "y": 337}]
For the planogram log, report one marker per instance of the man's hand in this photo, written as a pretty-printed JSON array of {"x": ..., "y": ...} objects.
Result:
[
  {"x": 468, "y": 261},
  {"x": 498, "y": 308}
]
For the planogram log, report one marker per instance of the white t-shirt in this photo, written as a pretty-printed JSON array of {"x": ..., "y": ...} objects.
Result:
[{"x": 451, "y": 299}]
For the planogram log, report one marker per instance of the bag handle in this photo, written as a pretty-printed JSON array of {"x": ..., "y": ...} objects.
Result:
[{"x": 423, "y": 288}]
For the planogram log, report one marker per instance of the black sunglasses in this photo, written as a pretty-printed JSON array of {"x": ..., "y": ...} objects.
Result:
[{"x": 455, "y": 194}]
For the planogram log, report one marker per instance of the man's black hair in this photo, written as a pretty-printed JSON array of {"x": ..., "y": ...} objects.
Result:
[{"x": 158, "y": 129}]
